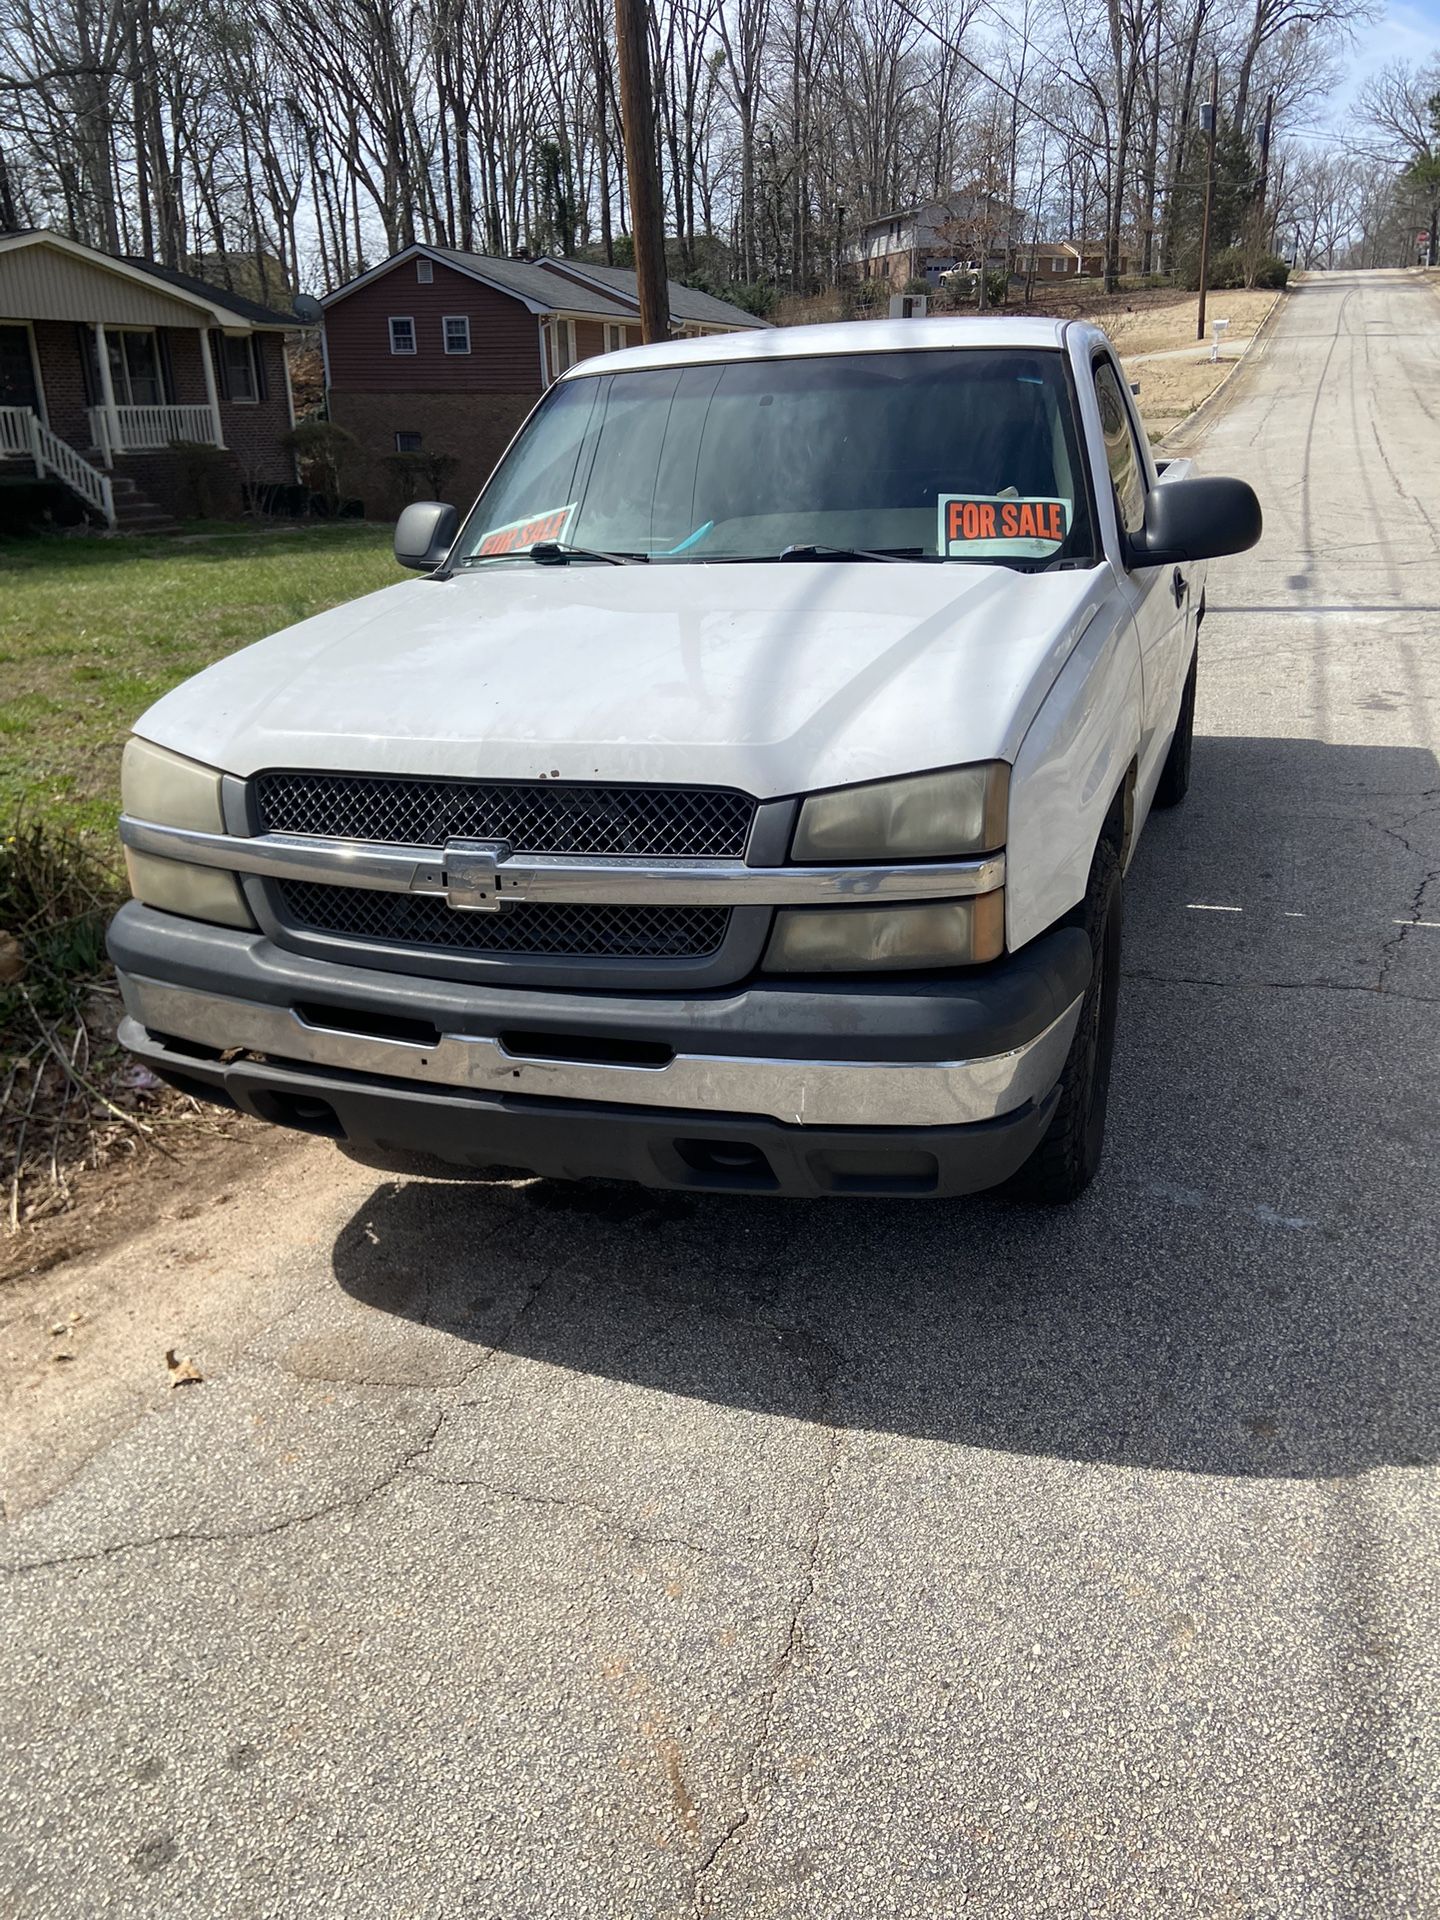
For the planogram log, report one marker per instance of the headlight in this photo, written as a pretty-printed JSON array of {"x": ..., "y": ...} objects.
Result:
[
  {"x": 168, "y": 791},
  {"x": 946, "y": 933},
  {"x": 926, "y": 816}
]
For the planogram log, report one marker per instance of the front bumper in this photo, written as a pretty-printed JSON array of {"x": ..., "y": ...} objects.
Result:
[{"x": 936, "y": 1085}]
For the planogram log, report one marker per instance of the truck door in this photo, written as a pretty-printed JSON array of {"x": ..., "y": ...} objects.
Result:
[{"x": 1160, "y": 596}]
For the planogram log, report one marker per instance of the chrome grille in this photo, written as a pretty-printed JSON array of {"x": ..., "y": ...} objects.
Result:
[
  {"x": 536, "y": 816},
  {"x": 535, "y": 928}
]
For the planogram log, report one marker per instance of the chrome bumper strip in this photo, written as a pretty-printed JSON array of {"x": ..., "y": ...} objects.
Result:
[
  {"x": 828, "y": 1093},
  {"x": 481, "y": 876}
]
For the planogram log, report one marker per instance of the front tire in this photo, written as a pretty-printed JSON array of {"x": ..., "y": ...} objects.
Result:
[
  {"x": 1068, "y": 1157},
  {"x": 1175, "y": 774}
]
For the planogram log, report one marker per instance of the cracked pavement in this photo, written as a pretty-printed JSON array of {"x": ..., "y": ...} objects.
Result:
[{"x": 531, "y": 1551}]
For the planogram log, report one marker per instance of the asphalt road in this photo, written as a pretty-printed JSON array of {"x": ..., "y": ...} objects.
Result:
[{"x": 530, "y": 1551}]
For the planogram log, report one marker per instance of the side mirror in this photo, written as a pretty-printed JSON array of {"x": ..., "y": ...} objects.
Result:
[
  {"x": 1196, "y": 520},
  {"x": 424, "y": 534}
]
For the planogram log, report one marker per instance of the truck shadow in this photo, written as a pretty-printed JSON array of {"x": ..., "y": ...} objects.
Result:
[{"x": 1248, "y": 1289}]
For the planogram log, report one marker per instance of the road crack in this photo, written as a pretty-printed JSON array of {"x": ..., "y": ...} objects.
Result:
[
  {"x": 1283, "y": 986},
  {"x": 573, "y": 1503},
  {"x": 758, "y": 1778},
  {"x": 225, "y": 1536},
  {"x": 1391, "y": 948}
]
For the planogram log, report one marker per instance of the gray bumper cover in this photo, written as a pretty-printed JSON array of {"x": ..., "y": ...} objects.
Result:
[{"x": 937, "y": 1085}]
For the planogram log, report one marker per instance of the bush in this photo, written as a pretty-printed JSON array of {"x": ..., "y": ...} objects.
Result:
[
  {"x": 419, "y": 476},
  {"x": 962, "y": 288},
  {"x": 1231, "y": 268},
  {"x": 207, "y": 479},
  {"x": 755, "y": 296},
  {"x": 918, "y": 284},
  {"x": 329, "y": 457},
  {"x": 56, "y": 895},
  {"x": 870, "y": 295},
  {"x": 1272, "y": 271}
]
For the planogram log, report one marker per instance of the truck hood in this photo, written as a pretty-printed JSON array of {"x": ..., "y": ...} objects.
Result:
[{"x": 772, "y": 678}]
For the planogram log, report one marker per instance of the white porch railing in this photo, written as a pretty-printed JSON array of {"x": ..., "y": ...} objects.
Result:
[
  {"x": 147, "y": 429},
  {"x": 51, "y": 455},
  {"x": 15, "y": 432}
]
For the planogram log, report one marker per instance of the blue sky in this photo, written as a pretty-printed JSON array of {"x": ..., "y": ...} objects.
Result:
[{"x": 1408, "y": 30}]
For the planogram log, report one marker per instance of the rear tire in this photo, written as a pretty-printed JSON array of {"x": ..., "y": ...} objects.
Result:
[
  {"x": 1175, "y": 774},
  {"x": 1068, "y": 1157}
]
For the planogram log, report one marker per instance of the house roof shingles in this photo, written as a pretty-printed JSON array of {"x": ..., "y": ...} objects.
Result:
[
  {"x": 244, "y": 309},
  {"x": 686, "y": 303},
  {"x": 563, "y": 286},
  {"x": 532, "y": 281}
]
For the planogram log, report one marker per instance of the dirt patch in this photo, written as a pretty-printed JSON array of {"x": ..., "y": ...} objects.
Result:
[
  {"x": 1158, "y": 329},
  {"x": 134, "y": 1186},
  {"x": 1172, "y": 389}
]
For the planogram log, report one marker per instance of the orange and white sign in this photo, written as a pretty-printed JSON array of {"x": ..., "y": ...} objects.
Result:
[
  {"x": 520, "y": 534},
  {"x": 974, "y": 525}
]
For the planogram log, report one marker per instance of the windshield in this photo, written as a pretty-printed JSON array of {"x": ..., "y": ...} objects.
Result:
[{"x": 965, "y": 455}]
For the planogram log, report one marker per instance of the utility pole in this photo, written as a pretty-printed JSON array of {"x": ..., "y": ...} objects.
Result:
[
  {"x": 1262, "y": 229},
  {"x": 647, "y": 224},
  {"x": 1209, "y": 117},
  {"x": 1265, "y": 154}
]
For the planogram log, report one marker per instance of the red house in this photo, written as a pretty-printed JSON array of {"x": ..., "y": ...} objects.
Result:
[{"x": 443, "y": 353}]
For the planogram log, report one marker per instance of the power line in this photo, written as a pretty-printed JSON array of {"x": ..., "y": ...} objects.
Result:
[
  {"x": 1093, "y": 147},
  {"x": 1065, "y": 133}
]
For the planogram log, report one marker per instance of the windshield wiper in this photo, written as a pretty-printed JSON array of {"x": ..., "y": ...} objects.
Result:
[
  {"x": 854, "y": 553},
  {"x": 551, "y": 553}
]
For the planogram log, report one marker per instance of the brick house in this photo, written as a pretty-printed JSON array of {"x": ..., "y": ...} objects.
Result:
[
  {"x": 935, "y": 237},
  {"x": 443, "y": 353},
  {"x": 136, "y": 387},
  {"x": 1059, "y": 259}
]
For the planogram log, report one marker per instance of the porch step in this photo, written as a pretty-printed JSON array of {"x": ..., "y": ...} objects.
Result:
[{"x": 136, "y": 512}]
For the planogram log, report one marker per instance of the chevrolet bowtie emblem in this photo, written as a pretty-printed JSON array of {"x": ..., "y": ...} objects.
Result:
[{"x": 472, "y": 874}]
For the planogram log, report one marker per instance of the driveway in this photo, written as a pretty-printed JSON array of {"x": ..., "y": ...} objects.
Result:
[{"x": 531, "y": 1551}]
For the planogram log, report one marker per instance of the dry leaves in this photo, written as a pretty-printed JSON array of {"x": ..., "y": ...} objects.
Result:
[{"x": 182, "y": 1373}]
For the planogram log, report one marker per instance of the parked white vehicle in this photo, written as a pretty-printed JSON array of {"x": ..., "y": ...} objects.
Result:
[{"x": 741, "y": 800}]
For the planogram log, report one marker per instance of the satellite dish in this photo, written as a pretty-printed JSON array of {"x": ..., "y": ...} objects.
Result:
[{"x": 307, "y": 309}]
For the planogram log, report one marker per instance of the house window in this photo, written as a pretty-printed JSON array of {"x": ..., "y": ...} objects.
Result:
[
  {"x": 614, "y": 337},
  {"x": 402, "y": 334},
  {"x": 407, "y": 442},
  {"x": 457, "y": 333},
  {"x": 137, "y": 374},
  {"x": 560, "y": 346},
  {"x": 242, "y": 383},
  {"x": 425, "y": 272}
]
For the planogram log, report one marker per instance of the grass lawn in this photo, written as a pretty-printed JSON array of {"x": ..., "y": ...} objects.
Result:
[{"x": 91, "y": 631}]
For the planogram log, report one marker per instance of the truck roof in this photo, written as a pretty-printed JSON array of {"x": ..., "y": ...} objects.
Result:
[{"x": 843, "y": 336}]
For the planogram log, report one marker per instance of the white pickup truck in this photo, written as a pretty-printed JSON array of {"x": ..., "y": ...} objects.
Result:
[{"x": 740, "y": 800}]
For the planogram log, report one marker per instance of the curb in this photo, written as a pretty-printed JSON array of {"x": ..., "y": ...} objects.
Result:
[{"x": 1199, "y": 416}]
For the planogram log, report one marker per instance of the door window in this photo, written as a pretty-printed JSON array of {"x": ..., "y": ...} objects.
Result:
[{"x": 1122, "y": 450}]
